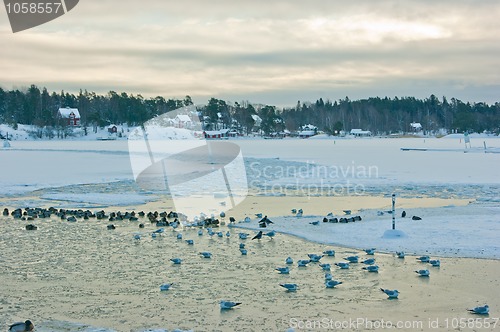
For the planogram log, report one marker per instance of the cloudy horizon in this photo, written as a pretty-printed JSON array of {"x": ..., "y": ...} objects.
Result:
[{"x": 273, "y": 52}]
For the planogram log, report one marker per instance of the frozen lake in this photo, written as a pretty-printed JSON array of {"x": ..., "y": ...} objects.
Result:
[{"x": 376, "y": 166}]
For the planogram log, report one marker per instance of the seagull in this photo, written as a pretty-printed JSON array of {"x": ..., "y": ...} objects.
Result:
[
  {"x": 299, "y": 213},
  {"x": 190, "y": 242},
  {"x": 258, "y": 236},
  {"x": 242, "y": 246},
  {"x": 347, "y": 212},
  {"x": 243, "y": 251},
  {"x": 328, "y": 276},
  {"x": 435, "y": 262},
  {"x": 369, "y": 261},
  {"x": 352, "y": 259},
  {"x": 329, "y": 252},
  {"x": 160, "y": 230},
  {"x": 315, "y": 223},
  {"x": 228, "y": 234},
  {"x": 206, "y": 254},
  {"x": 294, "y": 211},
  {"x": 289, "y": 260},
  {"x": 380, "y": 213},
  {"x": 137, "y": 236},
  {"x": 424, "y": 259},
  {"x": 342, "y": 265},
  {"x": 283, "y": 270},
  {"x": 247, "y": 219},
  {"x": 21, "y": 327},
  {"x": 303, "y": 262},
  {"x": 176, "y": 260},
  {"x": 400, "y": 254},
  {"x": 416, "y": 218},
  {"x": 271, "y": 234},
  {"x": 200, "y": 232},
  {"x": 325, "y": 267},
  {"x": 370, "y": 251},
  {"x": 392, "y": 294},
  {"x": 332, "y": 283},
  {"x": 371, "y": 268},
  {"x": 243, "y": 236},
  {"x": 484, "y": 310},
  {"x": 258, "y": 215},
  {"x": 423, "y": 273},
  {"x": 153, "y": 235},
  {"x": 403, "y": 214},
  {"x": 222, "y": 214},
  {"x": 290, "y": 287},
  {"x": 166, "y": 287},
  {"x": 220, "y": 234},
  {"x": 232, "y": 220},
  {"x": 179, "y": 236},
  {"x": 224, "y": 305},
  {"x": 315, "y": 258}
]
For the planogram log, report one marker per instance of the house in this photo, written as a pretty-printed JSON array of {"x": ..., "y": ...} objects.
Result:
[
  {"x": 228, "y": 132},
  {"x": 212, "y": 134},
  {"x": 69, "y": 116},
  {"x": 183, "y": 121},
  {"x": 360, "y": 133},
  {"x": 416, "y": 126},
  {"x": 112, "y": 129},
  {"x": 257, "y": 120},
  {"x": 308, "y": 131}
]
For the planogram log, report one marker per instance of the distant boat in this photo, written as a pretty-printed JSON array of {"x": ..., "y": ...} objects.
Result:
[{"x": 109, "y": 138}]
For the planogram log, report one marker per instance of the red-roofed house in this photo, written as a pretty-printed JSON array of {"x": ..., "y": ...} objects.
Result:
[{"x": 70, "y": 116}]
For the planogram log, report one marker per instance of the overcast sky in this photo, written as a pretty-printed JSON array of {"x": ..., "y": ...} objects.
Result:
[{"x": 273, "y": 52}]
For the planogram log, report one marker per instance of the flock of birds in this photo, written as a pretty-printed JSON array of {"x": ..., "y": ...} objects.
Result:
[{"x": 209, "y": 224}]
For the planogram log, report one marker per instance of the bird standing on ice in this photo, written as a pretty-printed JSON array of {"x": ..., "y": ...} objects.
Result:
[
  {"x": 392, "y": 294},
  {"x": 225, "y": 305},
  {"x": 423, "y": 273},
  {"x": 484, "y": 310}
]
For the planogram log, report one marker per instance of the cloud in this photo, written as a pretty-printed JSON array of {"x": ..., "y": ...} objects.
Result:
[{"x": 223, "y": 48}]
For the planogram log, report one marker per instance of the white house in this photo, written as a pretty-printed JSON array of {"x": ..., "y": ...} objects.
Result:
[
  {"x": 183, "y": 121},
  {"x": 70, "y": 116},
  {"x": 360, "y": 133},
  {"x": 416, "y": 126}
]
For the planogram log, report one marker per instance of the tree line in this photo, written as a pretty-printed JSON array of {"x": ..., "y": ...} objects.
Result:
[{"x": 39, "y": 107}]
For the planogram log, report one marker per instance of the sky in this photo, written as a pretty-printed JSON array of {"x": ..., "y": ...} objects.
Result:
[{"x": 271, "y": 52}]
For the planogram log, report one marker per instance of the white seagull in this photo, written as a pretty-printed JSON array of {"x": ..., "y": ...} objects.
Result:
[
  {"x": 224, "y": 305},
  {"x": 371, "y": 268},
  {"x": 289, "y": 260},
  {"x": 190, "y": 242},
  {"x": 283, "y": 270},
  {"x": 424, "y": 259},
  {"x": 400, "y": 254},
  {"x": 370, "y": 251},
  {"x": 352, "y": 259},
  {"x": 332, "y": 283},
  {"x": 176, "y": 260},
  {"x": 392, "y": 294},
  {"x": 435, "y": 262},
  {"x": 314, "y": 257},
  {"x": 369, "y": 261},
  {"x": 243, "y": 251},
  {"x": 342, "y": 265},
  {"x": 206, "y": 254},
  {"x": 330, "y": 252},
  {"x": 423, "y": 273},
  {"x": 303, "y": 262},
  {"x": 166, "y": 287},
  {"x": 290, "y": 287},
  {"x": 328, "y": 276},
  {"x": 325, "y": 267},
  {"x": 484, "y": 310},
  {"x": 21, "y": 326}
]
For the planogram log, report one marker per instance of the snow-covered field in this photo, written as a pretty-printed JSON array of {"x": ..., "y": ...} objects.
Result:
[{"x": 98, "y": 173}]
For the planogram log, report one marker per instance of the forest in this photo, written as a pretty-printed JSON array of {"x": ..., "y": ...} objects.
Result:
[{"x": 380, "y": 115}]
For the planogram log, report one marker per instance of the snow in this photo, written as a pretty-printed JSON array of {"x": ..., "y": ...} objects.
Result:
[
  {"x": 375, "y": 166},
  {"x": 468, "y": 231}
]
